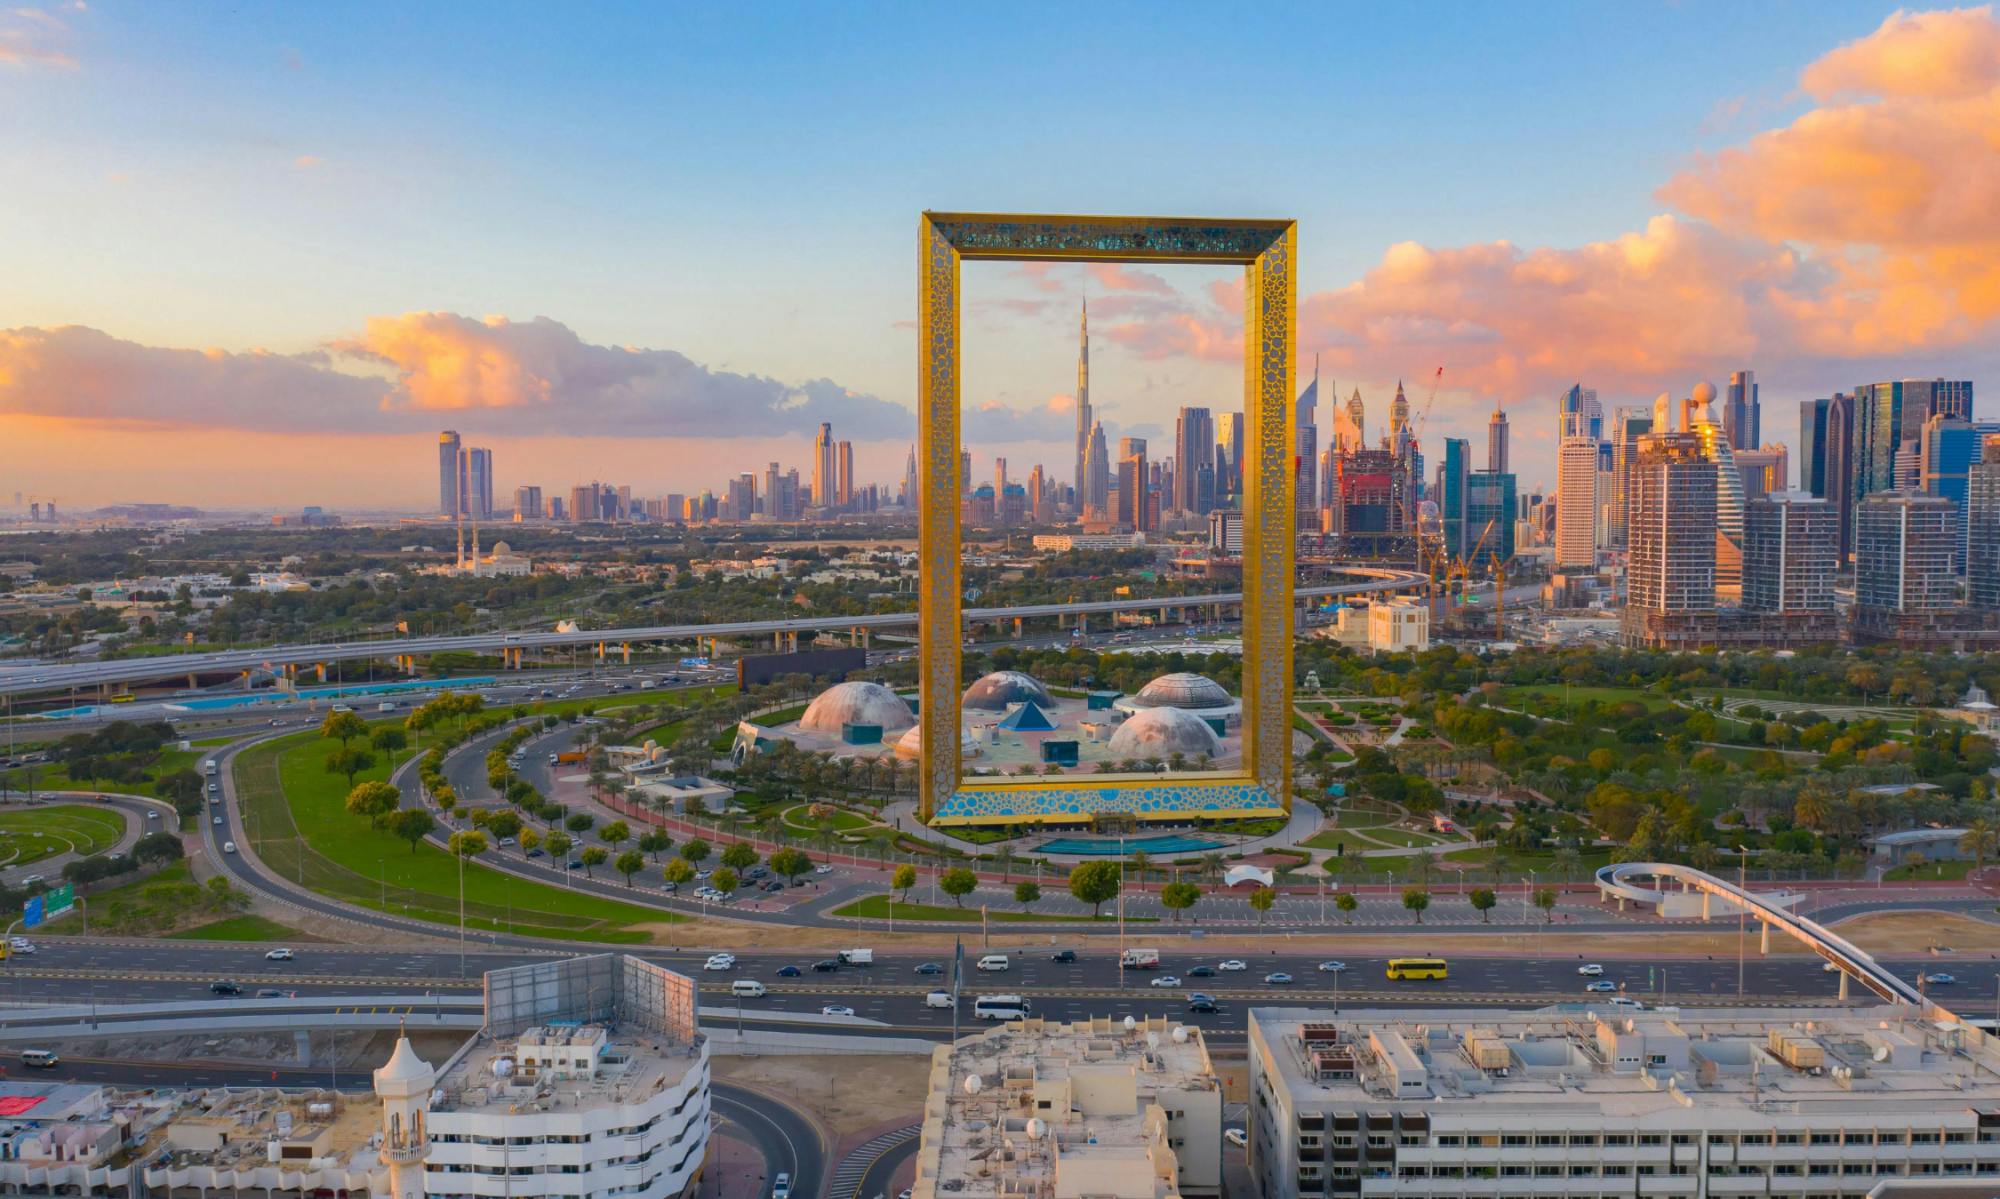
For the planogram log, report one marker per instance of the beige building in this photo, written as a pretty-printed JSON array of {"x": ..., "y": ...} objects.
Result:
[
  {"x": 1399, "y": 627},
  {"x": 1098, "y": 1109},
  {"x": 1715, "y": 1103}
]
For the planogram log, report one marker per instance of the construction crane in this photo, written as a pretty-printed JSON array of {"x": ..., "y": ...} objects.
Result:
[
  {"x": 1499, "y": 597},
  {"x": 1463, "y": 567}
]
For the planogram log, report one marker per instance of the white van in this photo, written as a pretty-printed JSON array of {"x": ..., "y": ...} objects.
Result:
[
  {"x": 229, "y": 847},
  {"x": 993, "y": 961},
  {"x": 41, "y": 1059},
  {"x": 747, "y": 988},
  {"x": 939, "y": 999}
]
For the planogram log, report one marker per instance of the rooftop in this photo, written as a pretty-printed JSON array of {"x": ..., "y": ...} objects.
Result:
[
  {"x": 1665, "y": 1067},
  {"x": 1060, "y": 1109},
  {"x": 564, "y": 1065}
]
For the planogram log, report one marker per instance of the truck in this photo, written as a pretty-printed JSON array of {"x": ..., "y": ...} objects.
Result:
[
  {"x": 857, "y": 957},
  {"x": 1139, "y": 959},
  {"x": 209, "y": 768},
  {"x": 570, "y": 755}
]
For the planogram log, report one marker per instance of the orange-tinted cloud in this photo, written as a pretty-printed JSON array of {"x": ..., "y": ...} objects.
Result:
[
  {"x": 1948, "y": 52},
  {"x": 33, "y": 37}
]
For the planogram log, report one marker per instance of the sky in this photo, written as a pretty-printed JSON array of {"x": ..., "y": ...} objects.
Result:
[{"x": 257, "y": 255}]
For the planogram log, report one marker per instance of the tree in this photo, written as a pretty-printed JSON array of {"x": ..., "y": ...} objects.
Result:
[
  {"x": 157, "y": 847},
  {"x": 1261, "y": 900},
  {"x": 593, "y": 855},
  {"x": 343, "y": 726},
  {"x": 1094, "y": 883},
  {"x": 630, "y": 863},
  {"x": 695, "y": 851},
  {"x": 1416, "y": 899},
  {"x": 723, "y": 880},
  {"x": 468, "y": 844},
  {"x": 1138, "y": 866},
  {"x": 904, "y": 878},
  {"x": 374, "y": 800},
  {"x": 412, "y": 825},
  {"x": 1545, "y": 899},
  {"x": 1981, "y": 839},
  {"x": 655, "y": 842},
  {"x": 579, "y": 822},
  {"x": 1027, "y": 893},
  {"x": 739, "y": 856},
  {"x": 530, "y": 839},
  {"x": 349, "y": 762},
  {"x": 181, "y": 788},
  {"x": 558, "y": 844},
  {"x": 1346, "y": 902},
  {"x": 389, "y": 740},
  {"x": 1179, "y": 897},
  {"x": 616, "y": 833},
  {"x": 791, "y": 863},
  {"x": 958, "y": 882},
  {"x": 678, "y": 871},
  {"x": 1483, "y": 902}
]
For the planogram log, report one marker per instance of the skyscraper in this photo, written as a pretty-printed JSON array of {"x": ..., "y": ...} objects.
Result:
[
  {"x": 909, "y": 496},
  {"x": 1454, "y": 478},
  {"x": 1194, "y": 448},
  {"x": 448, "y": 504},
  {"x": 1134, "y": 483},
  {"x": 1839, "y": 470},
  {"x": 1084, "y": 424},
  {"x": 1627, "y": 426},
  {"x": 1306, "y": 454},
  {"x": 478, "y": 476},
  {"x": 843, "y": 483},
  {"x": 1670, "y": 578},
  {"x": 1949, "y": 448},
  {"x": 1229, "y": 455},
  {"x": 1902, "y": 563},
  {"x": 1496, "y": 440},
  {"x": 823, "y": 466},
  {"x": 1095, "y": 501},
  {"x": 1399, "y": 421},
  {"x": 1728, "y": 489},
  {"x": 1788, "y": 555},
  {"x": 527, "y": 503},
  {"x": 1357, "y": 420},
  {"x": 1742, "y": 419},
  {"x": 1489, "y": 514},
  {"x": 1812, "y": 447},
  {"x": 1982, "y": 547},
  {"x": 1576, "y": 500}
]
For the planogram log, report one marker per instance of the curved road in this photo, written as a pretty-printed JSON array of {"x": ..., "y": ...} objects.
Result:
[{"x": 788, "y": 1140}]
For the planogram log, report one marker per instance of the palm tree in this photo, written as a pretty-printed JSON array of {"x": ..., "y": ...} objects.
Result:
[
  {"x": 1981, "y": 840},
  {"x": 1212, "y": 865}
]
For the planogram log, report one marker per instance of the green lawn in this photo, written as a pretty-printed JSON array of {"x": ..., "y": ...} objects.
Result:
[
  {"x": 1402, "y": 837},
  {"x": 1510, "y": 696},
  {"x": 297, "y": 820},
  {"x": 842, "y": 820},
  {"x": 36, "y": 833},
  {"x": 1928, "y": 871},
  {"x": 161, "y": 902},
  {"x": 876, "y": 907},
  {"x": 1335, "y": 838},
  {"x": 781, "y": 716},
  {"x": 54, "y": 776},
  {"x": 1542, "y": 862},
  {"x": 240, "y": 928}
]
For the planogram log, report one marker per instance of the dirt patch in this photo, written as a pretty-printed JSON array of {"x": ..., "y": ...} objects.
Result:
[
  {"x": 843, "y": 1094},
  {"x": 1896, "y": 934}
]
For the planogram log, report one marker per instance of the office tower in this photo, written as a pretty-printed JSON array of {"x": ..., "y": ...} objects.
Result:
[
  {"x": 1837, "y": 453},
  {"x": 675, "y": 508},
  {"x": 448, "y": 493},
  {"x": 1581, "y": 415},
  {"x": 1903, "y": 583},
  {"x": 1878, "y": 411},
  {"x": 478, "y": 476},
  {"x": 1194, "y": 446},
  {"x": 1489, "y": 517},
  {"x": 1134, "y": 483},
  {"x": 527, "y": 503},
  {"x": 1788, "y": 556},
  {"x": 1982, "y": 546},
  {"x": 557, "y": 509},
  {"x": 1305, "y": 454},
  {"x": 1041, "y": 508},
  {"x": 964, "y": 472},
  {"x": 1728, "y": 489},
  {"x": 1576, "y": 502},
  {"x": 1764, "y": 470},
  {"x": 1627, "y": 426},
  {"x": 1084, "y": 424},
  {"x": 1229, "y": 454},
  {"x": 1357, "y": 421},
  {"x": 823, "y": 467},
  {"x": 1812, "y": 446},
  {"x": 843, "y": 483},
  {"x": 1949, "y": 448},
  {"x": 1399, "y": 420},
  {"x": 1329, "y": 471},
  {"x": 583, "y": 503},
  {"x": 909, "y": 496},
  {"x": 770, "y": 504},
  {"x": 999, "y": 475},
  {"x": 1670, "y": 576},
  {"x": 1096, "y": 498},
  {"x": 741, "y": 498},
  {"x": 1742, "y": 419},
  {"x": 1453, "y": 477},
  {"x": 1496, "y": 440}
]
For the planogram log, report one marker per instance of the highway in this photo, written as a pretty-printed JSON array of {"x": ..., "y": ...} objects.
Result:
[{"x": 40, "y": 677}]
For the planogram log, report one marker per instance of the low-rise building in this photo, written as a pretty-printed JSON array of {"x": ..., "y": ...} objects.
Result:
[
  {"x": 1103, "y": 1109},
  {"x": 1617, "y": 1102}
]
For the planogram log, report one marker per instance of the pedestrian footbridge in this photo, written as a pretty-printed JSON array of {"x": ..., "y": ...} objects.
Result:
[{"x": 1665, "y": 886}]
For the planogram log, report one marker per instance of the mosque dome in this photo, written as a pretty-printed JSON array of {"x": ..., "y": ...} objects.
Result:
[
  {"x": 1191, "y": 691},
  {"x": 1003, "y": 689},
  {"x": 911, "y": 744},
  {"x": 501, "y": 549},
  {"x": 857, "y": 703},
  {"x": 1164, "y": 732}
]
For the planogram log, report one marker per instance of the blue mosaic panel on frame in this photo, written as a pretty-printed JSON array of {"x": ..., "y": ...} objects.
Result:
[{"x": 1137, "y": 799}]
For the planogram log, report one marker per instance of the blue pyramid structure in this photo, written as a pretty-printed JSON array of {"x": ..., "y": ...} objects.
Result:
[{"x": 1027, "y": 718}]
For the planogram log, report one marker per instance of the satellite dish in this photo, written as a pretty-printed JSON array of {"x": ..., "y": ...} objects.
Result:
[
  {"x": 1881, "y": 1053},
  {"x": 1130, "y": 1024},
  {"x": 1152, "y": 1040},
  {"x": 972, "y": 1084},
  {"x": 1180, "y": 1034},
  {"x": 1036, "y": 1127}
]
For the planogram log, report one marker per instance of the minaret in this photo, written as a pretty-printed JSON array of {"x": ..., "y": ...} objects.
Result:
[
  {"x": 1083, "y": 422},
  {"x": 1496, "y": 440},
  {"x": 403, "y": 1085}
]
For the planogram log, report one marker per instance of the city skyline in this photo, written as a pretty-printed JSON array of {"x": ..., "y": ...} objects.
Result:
[{"x": 124, "y": 377}]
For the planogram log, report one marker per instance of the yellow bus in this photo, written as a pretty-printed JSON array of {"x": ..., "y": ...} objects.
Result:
[
  {"x": 123, "y": 697},
  {"x": 1416, "y": 968}
]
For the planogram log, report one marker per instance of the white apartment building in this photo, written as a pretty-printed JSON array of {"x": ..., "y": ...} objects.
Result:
[
  {"x": 1104, "y": 1109},
  {"x": 1777, "y": 1104}
]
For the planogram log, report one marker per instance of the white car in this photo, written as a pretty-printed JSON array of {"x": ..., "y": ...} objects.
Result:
[
  {"x": 1236, "y": 1137},
  {"x": 822, "y": 868},
  {"x": 20, "y": 945},
  {"x": 836, "y": 1009},
  {"x": 1335, "y": 967},
  {"x": 1600, "y": 984},
  {"x": 1166, "y": 980},
  {"x": 279, "y": 955},
  {"x": 1593, "y": 970},
  {"x": 720, "y": 961},
  {"x": 1231, "y": 964}
]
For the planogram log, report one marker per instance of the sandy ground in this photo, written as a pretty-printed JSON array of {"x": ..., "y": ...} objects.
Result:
[
  {"x": 845, "y": 1094},
  {"x": 345, "y": 1051},
  {"x": 1895, "y": 934}
]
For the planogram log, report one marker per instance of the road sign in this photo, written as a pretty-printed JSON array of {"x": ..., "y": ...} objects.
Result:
[
  {"x": 58, "y": 901},
  {"x": 31, "y": 915}
]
